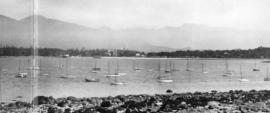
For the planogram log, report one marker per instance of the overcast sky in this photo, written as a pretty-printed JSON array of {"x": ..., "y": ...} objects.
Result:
[
  {"x": 121, "y": 14},
  {"x": 244, "y": 14}
]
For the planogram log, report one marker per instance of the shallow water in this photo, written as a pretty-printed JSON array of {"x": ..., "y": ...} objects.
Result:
[{"x": 136, "y": 82}]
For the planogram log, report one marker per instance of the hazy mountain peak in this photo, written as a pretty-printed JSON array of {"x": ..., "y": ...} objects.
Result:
[
  {"x": 59, "y": 34},
  {"x": 5, "y": 19},
  {"x": 190, "y": 25},
  {"x": 30, "y": 19}
]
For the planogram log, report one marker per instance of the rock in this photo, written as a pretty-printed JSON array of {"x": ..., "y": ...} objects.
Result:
[
  {"x": 213, "y": 104},
  {"x": 62, "y": 103},
  {"x": 43, "y": 100},
  {"x": 52, "y": 110},
  {"x": 106, "y": 104},
  {"x": 169, "y": 91},
  {"x": 72, "y": 99}
]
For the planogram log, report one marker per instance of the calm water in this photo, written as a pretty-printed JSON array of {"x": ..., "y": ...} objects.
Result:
[{"x": 136, "y": 82}]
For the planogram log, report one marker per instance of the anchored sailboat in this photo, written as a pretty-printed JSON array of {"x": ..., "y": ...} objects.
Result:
[
  {"x": 267, "y": 75},
  {"x": 203, "y": 69},
  {"x": 136, "y": 68},
  {"x": 92, "y": 80},
  {"x": 96, "y": 69},
  {"x": 162, "y": 79},
  {"x": 168, "y": 70},
  {"x": 227, "y": 73},
  {"x": 241, "y": 76},
  {"x": 116, "y": 72},
  {"x": 67, "y": 75},
  {"x": 116, "y": 82},
  {"x": 255, "y": 68},
  {"x": 21, "y": 74},
  {"x": 188, "y": 65}
]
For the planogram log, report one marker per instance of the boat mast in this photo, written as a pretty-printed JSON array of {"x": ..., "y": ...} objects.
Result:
[
  {"x": 19, "y": 65},
  {"x": 67, "y": 67},
  {"x": 171, "y": 71},
  {"x": 1, "y": 84},
  {"x": 267, "y": 73},
  {"x": 159, "y": 76},
  {"x": 226, "y": 65},
  {"x": 166, "y": 65},
  {"x": 241, "y": 73},
  {"x": 95, "y": 65},
  {"x": 116, "y": 71},
  {"x": 133, "y": 64},
  {"x": 187, "y": 65},
  {"x": 202, "y": 67},
  {"x": 174, "y": 67},
  {"x": 109, "y": 67},
  {"x": 170, "y": 65}
]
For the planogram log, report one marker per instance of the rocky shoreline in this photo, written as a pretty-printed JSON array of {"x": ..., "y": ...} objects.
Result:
[{"x": 233, "y": 101}]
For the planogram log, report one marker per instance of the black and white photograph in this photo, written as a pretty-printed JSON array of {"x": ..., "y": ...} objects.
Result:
[{"x": 134, "y": 56}]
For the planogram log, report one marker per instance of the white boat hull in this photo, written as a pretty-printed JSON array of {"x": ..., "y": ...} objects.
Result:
[
  {"x": 165, "y": 80},
  {"x": 122, "y": 74},
  {"x": 243, "y": 80},
  {"x": 22, "y": 75},
  {"x": 91, "y": 80},
  {"x": 227, "y": 74},
  {"x": 113, "y": 75},
  {"x": 117, "y": 83},
  {"x": 205, "y": 72}
]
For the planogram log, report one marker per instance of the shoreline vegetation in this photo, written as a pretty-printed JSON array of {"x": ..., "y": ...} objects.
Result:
[
  {"x": 233, "y": 101},
  {"x": 260, "y": 52}
]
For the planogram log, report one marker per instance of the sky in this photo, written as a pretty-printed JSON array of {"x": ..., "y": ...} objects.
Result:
[
  {"x": 119, "y": 14},
  {"x": 122, "y": 14}
]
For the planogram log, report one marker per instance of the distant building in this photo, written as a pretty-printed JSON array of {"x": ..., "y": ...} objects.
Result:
[{"x": 138, "y": 55}]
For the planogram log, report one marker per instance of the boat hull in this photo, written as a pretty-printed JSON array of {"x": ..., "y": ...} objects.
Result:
[
  {"x": 266, "y": 79},
  {"x": 117, "y": 83},
  {"x": 243, "y": 80},
  {"x": 91, "y": 80},
  {"x": 165, "y": 80}
]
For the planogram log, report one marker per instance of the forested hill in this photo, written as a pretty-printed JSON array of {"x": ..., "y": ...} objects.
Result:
[
  {"x": 55, "y": 52},
  {"x": 260, "y": 52}
]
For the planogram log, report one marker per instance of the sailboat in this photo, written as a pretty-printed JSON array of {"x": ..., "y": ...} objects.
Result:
[
  {"x": 267, "y": 75},
  {"x": 173, "y": 67},
  {"x": 116, "y": 82},
  {"x": 255, "y": 68},
  {"x": 203, "y": 70},
  {"x": 188, "y": 65},
  {"x": 136, "y": 67},
  {"x": 227, "y": 73},
  {"x": 166, "y": 68},
  {"x": 21, "y": 74},
  {"x": 60, "y": 66},
  {"x": 41, "y": 69},
  {"x": 162, "y": 79},
  {"x": 96, "y": 69},
  {"x": 91, "y": 80},
  {"x": 116, "y": 72},
  {"x": 241, "y": 76},
  {"x": 67, "y": 75}
]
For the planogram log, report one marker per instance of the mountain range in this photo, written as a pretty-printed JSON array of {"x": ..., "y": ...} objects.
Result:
[{"x": 55, "y": 33}]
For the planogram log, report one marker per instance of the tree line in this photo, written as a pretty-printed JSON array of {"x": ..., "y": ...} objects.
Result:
[
  {"x": 260, "y": 52},
  {"x": 56, "y": 52}
]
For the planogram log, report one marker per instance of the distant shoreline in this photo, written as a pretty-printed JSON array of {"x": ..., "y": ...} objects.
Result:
[{"x": 178, "y": 58}]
